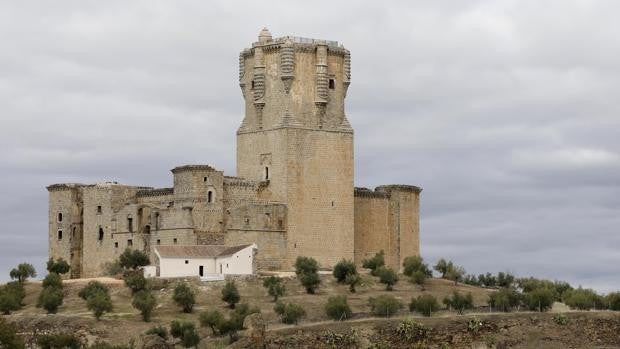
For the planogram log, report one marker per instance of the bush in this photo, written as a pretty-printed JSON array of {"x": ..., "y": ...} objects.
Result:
[
  {"x": 307, "y": 270},
  {"x": 353, "y": 280},
  {"x": 9, "y": 300},
  {"x": 425, "y": 304},
  {"x": 443, "y": 266},
  {"x": 17, "y": 289},
  {"x": 99, "y": 302},
  {"x": 59, "y": 267},
  {"x": 186, "y": 331},
  {"x": 539, "y": 299},
  {"x": 414, "y": 264},
  {"x": 583, "y": 299},
  {"x": 50, "y": 299},
  {"x": 132, "y": 259},
  {"x": 410, "y": 330},
  {"x": 505, "y": 280},
  {"x": 557, "y": 288},
  {"x": 104, "y": 345},
  {"x": 158, "y": 331},
  {"x": 337, "y": 308},
  {"x": 23, "y": 272},
  {"x": 52, "y": 280},
  {"x": 375, "y": 262},
  {"x": 274, "y": 287},
  {"x": 212, "y": 319},
  {"x": 343, "y": 269},
  {"x": 184, "y": 297},
  {"x": 613, "y": 301},
  {"x": 91, "y": 288},
  {"x": 504, "y": 299},
  {"x": 136, "y": 281},
  {"x": 459, "y": 302},
  {"x": 59, "y": 341},
  {"x": 384, "y": 305},
  {"x": 487, "y": 280},
  {"x": 9, "y": 337},
  {"x": 455, "y": 273},
  {"x": 235, "y": 323},
  {"x": 230, "y": 294},
  {"x": 289, "y": 313},
  {"x": 144, "y": 301},
  {"x": 113, "y": 268},
  {"x": 560, "y": 319},
  {"x": 388, "y": 277}
]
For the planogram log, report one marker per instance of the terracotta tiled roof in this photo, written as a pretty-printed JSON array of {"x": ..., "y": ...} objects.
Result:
[{"x": 203, "y": 251}]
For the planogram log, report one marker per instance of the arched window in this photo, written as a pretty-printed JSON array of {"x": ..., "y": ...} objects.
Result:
[
  {"x": 60, "y": 235},
  {"x": 60, "y": 216},
  {"x": 210, "y": 196},
  {"x": 100, "y": 233}
]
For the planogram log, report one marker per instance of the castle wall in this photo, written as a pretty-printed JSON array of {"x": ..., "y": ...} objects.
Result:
[{"x": 65, "y": 233}]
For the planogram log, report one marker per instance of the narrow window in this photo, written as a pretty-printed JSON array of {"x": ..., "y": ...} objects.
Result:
[
  {"x": 266, "y": 173},
  {"x": 60, "y": 235},
  {"x": 174, "y": 241},
  {"x": 332, "y": 84},
  {"x": 332, "y": 204},
  {"x": 158, "y": 242},
  {"x": 226, "y": 265},
  {"x": 60, "y": 216},
  {"x": 73, "y": 233},
  {"x": 156, "y": 220},
  {"x": 280, "y": 224},
  {"x": 252, "y": 84},
  {"x": 130, "y": 224},
  {"x": 209, "y": 196},
  {"x": 98, "y": 209},
  {"x": 100, "y": 233},
  {"x": 186, "y": 261},
  {"x": 204, "y": 179},
  {"x": 129, "y": 242},
  {"x": 116, "y": 245},
  {"x": 147, "y": 229}
]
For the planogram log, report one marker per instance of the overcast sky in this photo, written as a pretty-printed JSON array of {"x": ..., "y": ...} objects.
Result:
[{"x": 505, "y": 112}]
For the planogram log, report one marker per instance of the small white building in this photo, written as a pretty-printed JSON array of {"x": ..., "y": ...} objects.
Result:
[{"x": 205, "y": 261}]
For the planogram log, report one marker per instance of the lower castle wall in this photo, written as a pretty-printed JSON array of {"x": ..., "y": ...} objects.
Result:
[{"x": 271, "y": 246}]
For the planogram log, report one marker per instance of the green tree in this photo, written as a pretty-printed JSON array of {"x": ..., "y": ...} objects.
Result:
[
  {"x": 91, "y": 288},
  {"x": 455, "y": 273},
  {"x": 388, "y": 277},
  {"x": 459, "y": 302},
  {"x": 50, "y": 299},
  {"x": 274, "y": 287},
  {"x": 487, "y": 280},
  {"x": 212, "y": 319},
  {"x": 158, "y": 331},
  {"x": 343, "y": 269},
  {"x": 505, "y": 279},
  {"x": 59, "y": 341},
  {"x": 133, "y": 259},
  {"x": 8, "y": 336},
  {"x": 584, "y": 299},
  {"x": 59, "y": 266},
  {"x": 443, "y": 266},
  {"x": 22, "y": 272},
  {"x": 289, "y": 313},
  {"x": 375, "y": 262},
  {"x": 99, "y": 302},
  {"x": 613, "y": 301},
  {"x": 384, "y": 305},
  {"x": 338, "y": 308},
  {"x": 307, "y": 270},
  {"x": 353, "y": 280},
  {"x": 234, "y": 323},
  {"x": 17, "y": 289},
  {"x": 10, "y": 298},
  {"x": 52, "y": 280},
  {"x": 186, "y": 332},
  {"x": 145, "y": 302},
  {"x": 184, "y": 297},
  {"x": 136, "y": 281},
  {"x": 539, "y": 299},
  {"x": 425, "y": 304},
  {"x": 505, "y": 299},
  {"x": 230, "y": 294}
]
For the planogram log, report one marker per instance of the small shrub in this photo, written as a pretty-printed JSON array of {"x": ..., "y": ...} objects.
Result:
[
  {"x": 9, "y": 337},
  {"x": 504, "y": 299},
  {"x": 133, "y": 259},
  {"x": 59, "y": 341},
  {"x": 384, "y": 305},
  {"x": 341, "y": 340},
  {"x": 184, "y": 297},
  {"x": 560, "y": 319},
  {"x": 613, "y": 301},
  {"x": 9, "y": 301},
  {"x": 353, "y": 280},
  {"x": 375, "y": 262},
  {"x": 52, "y": 280},
  {"x": 212, "y": 319},
  {"x": 17, "y": 289},
  {"x": 99, "y": 302},
  {"x": 230, "y": 294},
  {"x": 474, "y": 325},
  {"x": 59, "y": 267},
  {"x": 415, "y": 264},
  {"x": 235, "y": 323},
  {"x": 343, "y": 269},
  {"x": 388, "y": 277},
  {"x": 22, "y": 272},
  {"x": 337, "y": 308},
  {"x": 307, "y": 270},
  {"x": 50, "y": 299},
  {"x": 91, "y": 288},
  {"x": 459, "y": 302},
  {"x": 410, "y": 330},
  {"x": 136, "y": 281},
  {"x": 425, "y": 304},
  {"x": 186, "y": 331},
  {"x": 539, "y": 299},
  {"x": 104, "y": 345},
  {"x": 289, "y": 313},
  {"x": 274, "y": 287},
  {"x": 113, "y": 268},
  {"x": 158, "y": 331},
  {"x": 145, "y": 302}
]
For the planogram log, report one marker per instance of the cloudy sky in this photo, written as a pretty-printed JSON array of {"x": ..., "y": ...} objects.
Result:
[{"x": 505, "y": 112}]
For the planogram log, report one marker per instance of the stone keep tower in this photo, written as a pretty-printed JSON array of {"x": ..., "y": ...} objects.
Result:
[{"x": 296, "y": 139}]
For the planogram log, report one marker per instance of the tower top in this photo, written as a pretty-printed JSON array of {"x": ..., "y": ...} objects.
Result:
[{"x": 264, "y": 35}]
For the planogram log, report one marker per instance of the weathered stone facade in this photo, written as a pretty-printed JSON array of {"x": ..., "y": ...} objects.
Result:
[{"x": 294, "y": 194}]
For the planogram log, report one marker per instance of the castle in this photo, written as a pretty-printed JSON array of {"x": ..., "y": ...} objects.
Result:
[{"x": 293, "y": 194}]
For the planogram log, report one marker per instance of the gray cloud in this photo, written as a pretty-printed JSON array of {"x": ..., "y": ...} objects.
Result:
[{"x": 504, "y": 111}]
